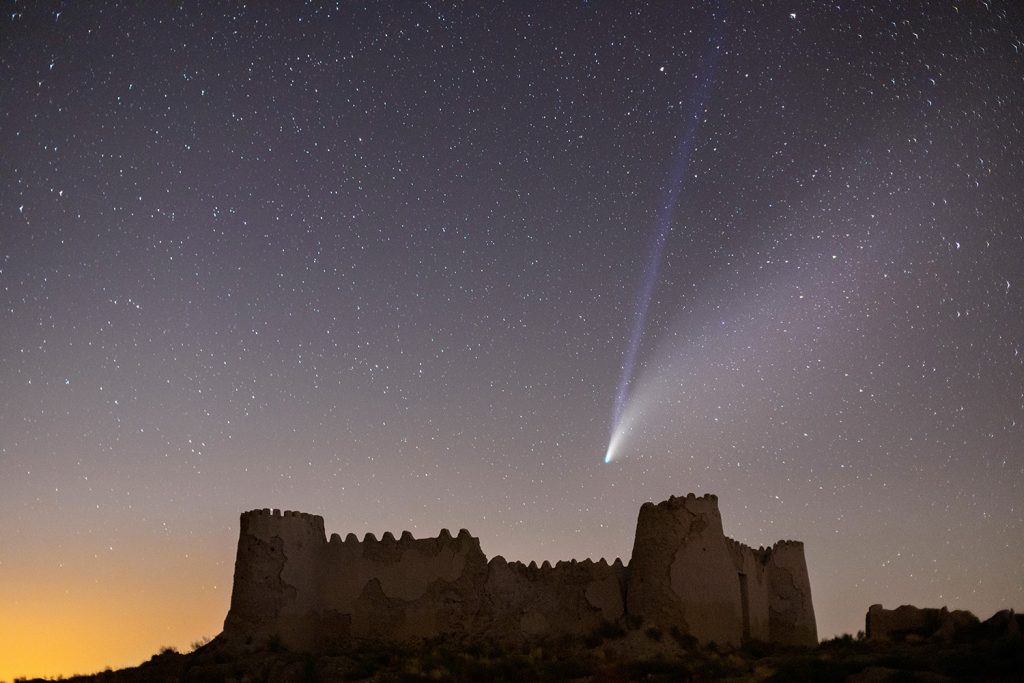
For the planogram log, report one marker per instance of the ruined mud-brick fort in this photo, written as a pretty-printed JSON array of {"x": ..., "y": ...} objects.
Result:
[{"x": 685, "y": 577}]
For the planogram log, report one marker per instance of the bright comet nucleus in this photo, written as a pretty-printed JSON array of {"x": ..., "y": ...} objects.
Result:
[{"x": 616, "y": 439}]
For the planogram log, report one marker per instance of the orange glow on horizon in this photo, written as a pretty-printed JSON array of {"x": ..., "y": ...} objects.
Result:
[{"x": 57, "y": 625}]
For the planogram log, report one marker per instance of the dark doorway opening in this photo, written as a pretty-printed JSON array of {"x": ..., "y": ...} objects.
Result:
[{"x": 745, "y": 606}]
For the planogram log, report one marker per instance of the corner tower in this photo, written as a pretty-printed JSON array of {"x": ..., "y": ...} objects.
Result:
[
  {"x": 790, "y": 612},
  {"x": 277, "y": 576},
  {"x": 682, "y": 574},
  {"x": 687, "y": 575}
]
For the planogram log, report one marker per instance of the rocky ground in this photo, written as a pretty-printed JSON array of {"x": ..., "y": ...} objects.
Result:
[{"x": 604, "y": 657}]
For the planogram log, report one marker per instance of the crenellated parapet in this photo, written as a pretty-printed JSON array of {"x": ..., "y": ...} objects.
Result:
[
  {"x": 388, "y": 544},
  {"x": 761, "y": 553},
  {"x": 313, "y": 592},
  {"x": 532, "y": 570},
  {"x": 268, "y": 513},
  {"x": 288, "y": 529},
  {"x": 523, "y": 601}
]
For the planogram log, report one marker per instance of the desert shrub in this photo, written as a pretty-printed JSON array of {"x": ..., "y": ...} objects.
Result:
[
  {"x": 961, "y": 664},
  {"x": 846, "y": 646},
  {"x": 757, "y": 649},
  {"x": 563, "y": 644},
  {"x": 275, "y": 644},
  {"x": 656, "y": 669},
  {"x": 564, "y": 669},
  {"x": 196, "y": 644},
  {"x": 901, "y": 658},
  {"x": 367, "y": 662},
  {"x": 510, "y": 669},
  {"x": 610, "y": 631},
  {"x": 654, "y": 633},
  {"x": 685, "y": 640},
  {"x": 809, "y": 669}
]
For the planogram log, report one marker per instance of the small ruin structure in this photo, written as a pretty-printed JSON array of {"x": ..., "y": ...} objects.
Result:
[
  {"x": 685, "y": 576},
  {"x": 916, "y": 623}
]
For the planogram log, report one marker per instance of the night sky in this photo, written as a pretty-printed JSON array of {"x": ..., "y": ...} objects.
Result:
[{"x": 384, "y": 263}]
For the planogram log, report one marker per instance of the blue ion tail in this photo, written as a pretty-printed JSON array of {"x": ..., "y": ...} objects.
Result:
[{"x": 674, "y": 188}]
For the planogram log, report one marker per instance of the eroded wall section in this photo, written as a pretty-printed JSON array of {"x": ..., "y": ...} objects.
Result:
[{"x": 293, "y": 584}]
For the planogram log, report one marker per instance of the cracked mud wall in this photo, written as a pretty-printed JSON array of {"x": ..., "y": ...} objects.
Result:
[
  {"x": 294, "y": 585},
  {"x": 682, "y": 573}
]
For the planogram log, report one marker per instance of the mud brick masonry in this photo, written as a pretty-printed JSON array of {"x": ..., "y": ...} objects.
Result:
[{"x": 685, "y": 576}]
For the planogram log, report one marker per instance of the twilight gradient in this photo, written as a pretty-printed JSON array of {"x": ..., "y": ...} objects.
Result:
[{"x": 381, "y": 262}]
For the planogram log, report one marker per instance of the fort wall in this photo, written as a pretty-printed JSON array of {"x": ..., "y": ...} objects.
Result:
[
  {"x": 524, "y": 601},
  {"x": 312, "y": 593},
  {"x": 909, "y": 622},
  {"x": 404, "y": 588}
]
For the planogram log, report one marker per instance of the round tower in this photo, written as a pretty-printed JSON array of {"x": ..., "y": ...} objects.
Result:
[
  {"x": 791, "y": 614},
  {"x": 276, "y": 590},
  {"x": 681, "y": 574}
]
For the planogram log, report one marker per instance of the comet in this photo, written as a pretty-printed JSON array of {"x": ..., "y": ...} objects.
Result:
[{"x": 673, "y": 191}]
